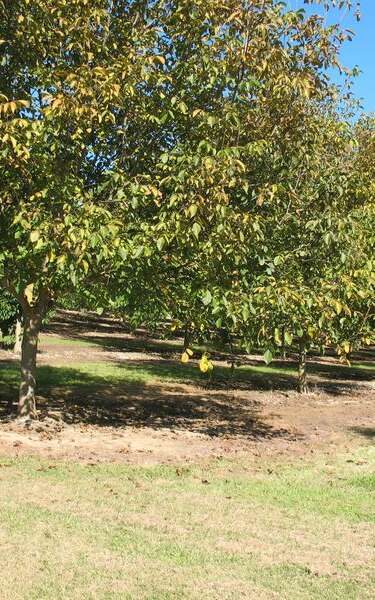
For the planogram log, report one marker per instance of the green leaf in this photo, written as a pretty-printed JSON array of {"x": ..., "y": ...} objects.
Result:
[
  {"x": 288, "y": 338},
  {"x": 268, "y": 357},
  {"x": 139, "y": 251},
  {"x": 193, "y": 210},
  {"x": 160, "y": 243},
  {"x": 183, "y": 108},
  {"x": 196, "y": 229},
  {"x": 123, "y": 253},
  {"x": 207, "y": 298}
]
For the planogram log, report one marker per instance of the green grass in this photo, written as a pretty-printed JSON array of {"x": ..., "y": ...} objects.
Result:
[
  {"x": 94, "y": 374},
  {"x": 367, "y": 366},
  {"x": 101, "y": 373},
  {"x": 106, "y": 373},
  {"x": 54, "y": 340},
  {"x": 228, "y": 530},
  {"x": 282, "y": 368},
  {"x": 223, "y": 531},
  {"x": 111, "y": 342}
]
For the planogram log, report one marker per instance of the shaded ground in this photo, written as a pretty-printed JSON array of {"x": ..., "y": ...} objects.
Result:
[{"x": 108, "y": 394}]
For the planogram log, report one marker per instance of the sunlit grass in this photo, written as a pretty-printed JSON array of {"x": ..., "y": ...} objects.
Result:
[
  {"x": 97, "y": 373},
  {"x": 219, "y": 531},
  {"x": 55, "y": 340}
]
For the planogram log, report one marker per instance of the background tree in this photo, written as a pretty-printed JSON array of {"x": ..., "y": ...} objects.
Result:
[
  {"x": 9, "y": 316},
  {"x": 255, "y": 198}
]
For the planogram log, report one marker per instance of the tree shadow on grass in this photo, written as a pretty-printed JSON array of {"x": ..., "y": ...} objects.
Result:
[
  {"x": 367, "y": 432},
  {"x": 362, "y": 367},
  {"x": 87, "y": 399},
  {"x": 100, "y": 393},
  {"x": 110, "y": 334},
  {"x": 77, "y": 322},
  {"x": 134, "y": 395},
  {"x": 123, "y": 342},
  {"x": 280, "y": 374},
  {"x": 115, "y": 336},
  {"x": 341, "y": 372}
]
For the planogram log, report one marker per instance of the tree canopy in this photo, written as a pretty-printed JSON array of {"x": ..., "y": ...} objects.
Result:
[{"x": 189, "y": 159}]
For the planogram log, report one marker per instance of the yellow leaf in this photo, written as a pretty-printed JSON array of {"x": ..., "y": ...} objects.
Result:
[
  {"x": 193, "y": 210},
  {"x": 185, "y": 357},
  {"x": 189, "y": 352},
  {"x": 28, "y": 293},
  {"x": 61, "y": 259},
  {"x": 338, "y": 306},
  {"x": 205, "y": 364},
  {"x": 34, "y": 236}
]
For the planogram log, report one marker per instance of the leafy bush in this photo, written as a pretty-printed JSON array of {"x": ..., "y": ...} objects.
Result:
[{"x": 9, "y": 313}]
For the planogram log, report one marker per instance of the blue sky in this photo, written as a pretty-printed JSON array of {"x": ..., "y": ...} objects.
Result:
[{"x": 360, "y": 52}]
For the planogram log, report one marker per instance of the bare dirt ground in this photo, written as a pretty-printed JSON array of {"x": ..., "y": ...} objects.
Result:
[{"x": 158, "y": 421}]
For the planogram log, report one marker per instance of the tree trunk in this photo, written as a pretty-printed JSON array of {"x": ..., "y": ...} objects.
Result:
[
  {"x": 302, "y": 378},
  {"x": 232, "y": 357},
  {"x": 283, "y": 348},
  {"x": 187, "y": 338},
  {"x": 18, "y": 335},
  {"x": 32, "y": 320}
]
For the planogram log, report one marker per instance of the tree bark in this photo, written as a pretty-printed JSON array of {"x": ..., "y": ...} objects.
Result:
[
  {"x": 302, "y": 377},
  {"x": 18, "y": 335},
  {"x": 232, "y": 357},
  {"x": 187, "y": 337},
  {"x": 283, "y": 348},
  {"x": 32, "y": 319}
]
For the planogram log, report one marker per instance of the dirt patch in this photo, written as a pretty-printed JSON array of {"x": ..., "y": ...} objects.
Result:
[{"x": 261, "y": 424}]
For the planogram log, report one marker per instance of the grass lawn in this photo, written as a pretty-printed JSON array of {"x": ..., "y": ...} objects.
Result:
[
  {"x": 251, "y": 526},
  {"x": 79, "y": 373},
  {"x": 228, "y": 530},
  {"x": 54, "y": 340}
]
